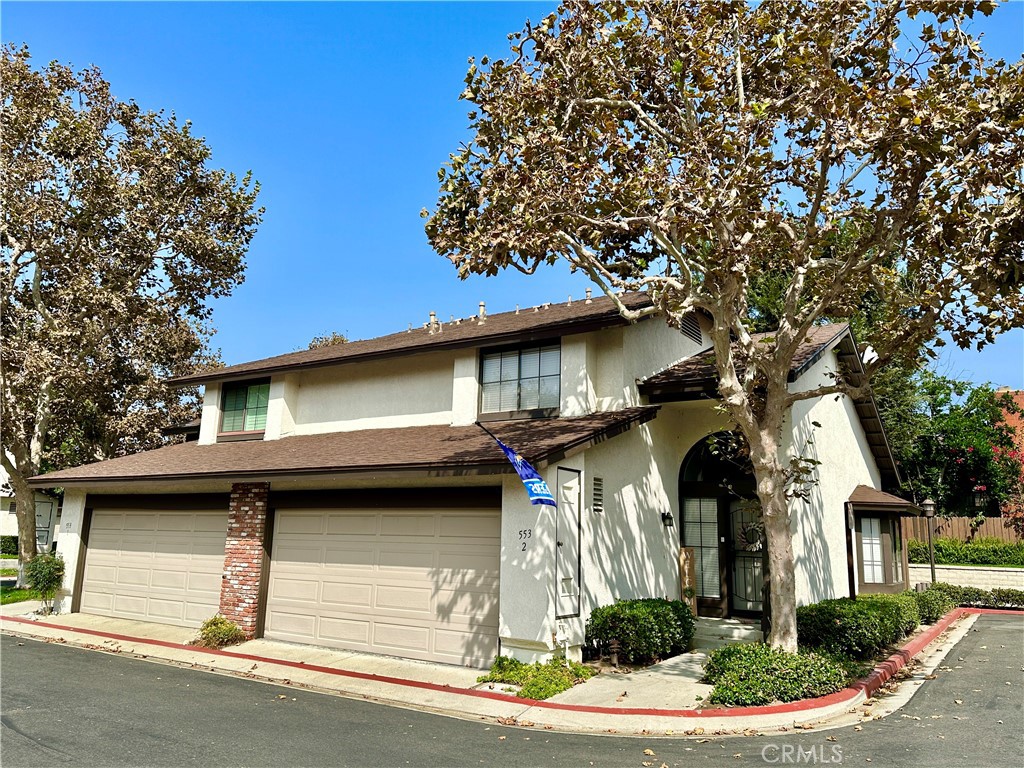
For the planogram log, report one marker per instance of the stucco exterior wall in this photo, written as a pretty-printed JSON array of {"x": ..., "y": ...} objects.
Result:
[
  {"x": 210, "y": 424},
  {"x": 404, "y": 392},
  {"x": 620, "y": 356},
  {"x": 819, "y": 525}
]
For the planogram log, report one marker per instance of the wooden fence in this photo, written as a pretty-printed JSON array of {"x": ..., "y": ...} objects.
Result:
[{"x": 958, "y": 528}]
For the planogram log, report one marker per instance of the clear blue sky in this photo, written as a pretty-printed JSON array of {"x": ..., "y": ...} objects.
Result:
[{"x": 344, "y": 112}]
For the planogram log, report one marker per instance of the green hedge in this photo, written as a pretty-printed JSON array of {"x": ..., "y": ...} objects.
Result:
[
  {"x": 8, "y": 545},
  {"x": 859, "y": 628},
  {"x": 647, "y": 629},
  {"x": 537, "y": 681},
  {"x": 980, "y": 598},
  {"x": 755, "y": 674},
  {"x": 984, "y": 551}
]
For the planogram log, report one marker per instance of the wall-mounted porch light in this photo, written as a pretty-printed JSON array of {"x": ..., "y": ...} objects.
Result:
[{"x": 667, "y": 520}]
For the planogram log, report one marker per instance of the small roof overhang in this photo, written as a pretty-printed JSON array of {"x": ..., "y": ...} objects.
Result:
[
  {"x": 427, "y": 452},
  {"x": 867, "y": 499}
]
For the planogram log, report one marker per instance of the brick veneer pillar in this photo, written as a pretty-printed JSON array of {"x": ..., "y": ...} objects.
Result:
[{"x": 243, "y": 554}]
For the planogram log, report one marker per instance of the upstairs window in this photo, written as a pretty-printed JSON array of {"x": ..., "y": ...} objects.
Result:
[
  {"x": 245, "y": 407},
  {"x": 525, "y": 379}
]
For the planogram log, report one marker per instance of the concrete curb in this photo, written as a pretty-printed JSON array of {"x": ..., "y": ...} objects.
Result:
[{"x": 476, "y": 704}]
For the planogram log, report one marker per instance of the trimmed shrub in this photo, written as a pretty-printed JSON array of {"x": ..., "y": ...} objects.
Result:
[
  {"x": 842, "y": 626},
  {"x": 899, "y": 614},
  {"x": 647, "y": 629},
  {"x": 975, "y": 597},
  {"x": 1008, "y": 598},
  {"x": 983, "y": 551},
  {"x": 8, "y": 545},
  {"x": 537, "y": 681},
  {"x": 858, "y": 628},
  {"x": 932, "y": 604},
  {"x": 45, "y": 575},
  {"x": 755, "y": 674},
  {"x": 218, "y": 632}
]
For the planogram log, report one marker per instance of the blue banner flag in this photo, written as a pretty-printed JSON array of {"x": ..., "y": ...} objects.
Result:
[{"x": 536, "y": 488}]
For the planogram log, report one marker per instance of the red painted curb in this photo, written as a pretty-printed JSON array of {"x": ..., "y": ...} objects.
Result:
[{"x": 881, "y": 674}]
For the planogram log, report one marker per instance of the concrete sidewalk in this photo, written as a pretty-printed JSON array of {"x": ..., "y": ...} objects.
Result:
[{"x": 657, "y": 701}]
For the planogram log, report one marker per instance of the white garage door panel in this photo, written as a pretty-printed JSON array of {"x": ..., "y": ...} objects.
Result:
[
  {"x": 421, "y": 584},
  {"x": 161, "y": 566}
]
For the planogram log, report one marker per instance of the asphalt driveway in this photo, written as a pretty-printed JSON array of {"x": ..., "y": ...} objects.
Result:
[{"x": 69, "y": 706}]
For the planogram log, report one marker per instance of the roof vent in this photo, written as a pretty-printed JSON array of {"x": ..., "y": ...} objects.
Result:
[
  {"x": 483, "y": 312},
  {"x": 569, "y": 302},
  {"x": 517, "y": 309},
  {"x": 435, "y": 327},
  {"x": 588, "y": 297}
]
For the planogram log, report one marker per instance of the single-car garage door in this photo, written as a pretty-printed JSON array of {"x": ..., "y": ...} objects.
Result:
[
  {"x": 421, "y": 584},
  {"x": 162, "y": 566}
]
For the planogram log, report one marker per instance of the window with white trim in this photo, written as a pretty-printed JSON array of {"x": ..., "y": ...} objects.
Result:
[{"x": 524, "y": 379}]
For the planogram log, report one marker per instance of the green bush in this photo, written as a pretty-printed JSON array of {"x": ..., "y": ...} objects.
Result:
[
  {"x": 45, "y": 575},
  {"x": 976, "y": 597},
  {"x": 755, "y": 674},
  {"x": 932, "y": 604},
  {"x": 1008, "y": 598},
  {"x": 983, "y": 551},
  {"x": 899, "y": 614},
  {"x": 858, "y": 628},
  {"x": 647, "y": 629},
  {"x": 218, "y": 632},
  {"x": 537, "y": 681},
  {"x": 8, "y": 545}
]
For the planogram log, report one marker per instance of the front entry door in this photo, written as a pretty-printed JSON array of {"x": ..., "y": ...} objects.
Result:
[{"x": 747, "y": 553}]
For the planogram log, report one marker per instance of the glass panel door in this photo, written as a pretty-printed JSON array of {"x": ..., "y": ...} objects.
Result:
[{"x": 747, "y": 555}]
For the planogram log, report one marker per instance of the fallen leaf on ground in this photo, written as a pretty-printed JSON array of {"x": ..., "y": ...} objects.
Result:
[
  {"x": 831, "y": 738},
  {"x": 858, "y": 727},
  {"x": 649, "y": 752},
  {"x": 958, "y": 701}
]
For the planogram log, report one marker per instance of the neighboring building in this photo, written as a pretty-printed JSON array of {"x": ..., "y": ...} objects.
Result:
[
  {"x": 344, "y": 496},
  {"x": 47, "y": 515}
]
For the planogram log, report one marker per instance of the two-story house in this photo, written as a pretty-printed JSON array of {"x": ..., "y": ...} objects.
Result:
[{"x": 346, "y": 497}]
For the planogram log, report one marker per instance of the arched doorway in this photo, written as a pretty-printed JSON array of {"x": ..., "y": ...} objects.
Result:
[{"x": 721, "y": 521}]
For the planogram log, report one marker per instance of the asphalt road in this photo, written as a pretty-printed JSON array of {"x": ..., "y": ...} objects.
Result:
[{"x": 67, "y": 706}]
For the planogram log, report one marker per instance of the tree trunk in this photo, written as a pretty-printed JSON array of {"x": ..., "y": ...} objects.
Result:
[
  {"x": 781, "y": 571},
  {"x": 25, "y": 501}
]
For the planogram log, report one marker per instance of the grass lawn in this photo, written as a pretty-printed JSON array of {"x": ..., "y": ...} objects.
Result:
[
  {"x": 14, "y": 595},
  {"x": 8, "y": 571},
  {"x": 8, "y": 557}
]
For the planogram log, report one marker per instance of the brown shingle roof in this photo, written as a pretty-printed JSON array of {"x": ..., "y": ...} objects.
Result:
[
  {"x": 442, "y": 449},
  {"x": 699, "y": 372},
  {"x": 865, "y": 495},
  {"x": 526, "y": 324}
]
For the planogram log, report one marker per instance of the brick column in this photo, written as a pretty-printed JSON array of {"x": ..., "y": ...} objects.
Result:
[{"x": 243, "y": 554}]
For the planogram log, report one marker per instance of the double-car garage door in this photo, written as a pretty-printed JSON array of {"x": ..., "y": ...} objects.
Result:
[{"x": 417, "y": 583}]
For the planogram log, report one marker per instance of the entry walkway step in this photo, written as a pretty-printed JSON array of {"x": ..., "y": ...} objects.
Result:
[{"x": 711, "y": 633}]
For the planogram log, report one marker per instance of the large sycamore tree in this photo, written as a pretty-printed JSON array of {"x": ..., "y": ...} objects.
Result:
[
  {"x": 853, "y": 151},
  {"x": 114, "y": 233}
]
